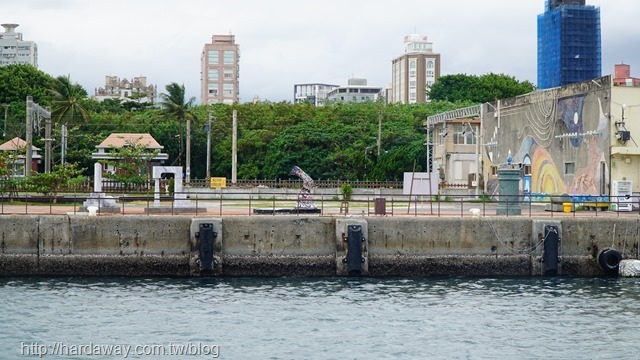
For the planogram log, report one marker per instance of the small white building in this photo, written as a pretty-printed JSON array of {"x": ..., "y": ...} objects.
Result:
[{"x": 118, "y": 140}]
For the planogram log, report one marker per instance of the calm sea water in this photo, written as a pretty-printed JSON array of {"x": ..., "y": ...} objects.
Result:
[{"x": 320, "y": 318}]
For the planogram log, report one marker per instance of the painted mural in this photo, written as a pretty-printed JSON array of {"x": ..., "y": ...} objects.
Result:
[{"x": 561, "y": 136}]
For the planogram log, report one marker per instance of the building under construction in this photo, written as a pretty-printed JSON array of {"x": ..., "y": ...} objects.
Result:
[{"x": 569, "y": 43}]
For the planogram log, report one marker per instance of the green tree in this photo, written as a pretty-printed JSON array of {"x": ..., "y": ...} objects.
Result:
[
  {"x": 66, "y": 101},
  {"x": 67, "y": 107},
  {"x": 16, "y": 83},
  {"x": 478, "y": 89},
  {"x": 7, "y": 166},
  {"x": 174, "y": 106},
  {"x": 62, "y": 177}
]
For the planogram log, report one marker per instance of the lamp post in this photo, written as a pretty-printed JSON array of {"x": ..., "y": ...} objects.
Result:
[{"x": 6, "y": 108}]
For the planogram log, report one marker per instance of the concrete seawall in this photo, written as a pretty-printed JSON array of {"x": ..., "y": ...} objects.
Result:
[{"x": 309, "y": 245}]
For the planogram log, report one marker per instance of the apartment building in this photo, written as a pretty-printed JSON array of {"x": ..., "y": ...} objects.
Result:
[
  {"x": 219, "y": 74},
  {"x": 135, "y": 90},
  {"x": 14, "y": 50},
  {"x": 315, "y": 94},
  {"x": 356, "y": 90},
  {"x": 414, "y": 71}
]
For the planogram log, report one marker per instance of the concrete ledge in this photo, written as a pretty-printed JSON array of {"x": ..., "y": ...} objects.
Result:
[
  {"x": 73, "y": 265},
  {"x": 465, "y": 265},
  {"x": 160, "y": 245},
  {"x": 279, "y": 265}
]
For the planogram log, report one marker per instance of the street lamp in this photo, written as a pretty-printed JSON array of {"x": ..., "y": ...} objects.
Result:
[{"x": 6, "y": 108}]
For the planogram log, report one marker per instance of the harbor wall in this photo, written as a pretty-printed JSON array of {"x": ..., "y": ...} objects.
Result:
[{"x": 81, "y": 245}]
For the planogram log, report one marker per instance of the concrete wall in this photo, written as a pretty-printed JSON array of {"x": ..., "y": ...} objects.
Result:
[{"x": 304, "y": 245}]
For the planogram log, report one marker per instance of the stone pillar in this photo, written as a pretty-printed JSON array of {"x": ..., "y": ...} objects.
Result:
[
  {"x": 509, "y": 191},
  {"x": 97, "y": 177}
]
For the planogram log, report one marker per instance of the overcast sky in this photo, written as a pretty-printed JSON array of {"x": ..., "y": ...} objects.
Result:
[{"x": 284, "y": 42}]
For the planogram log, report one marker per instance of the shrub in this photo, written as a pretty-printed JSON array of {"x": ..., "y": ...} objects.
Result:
[{"x": 346, "y": 191}]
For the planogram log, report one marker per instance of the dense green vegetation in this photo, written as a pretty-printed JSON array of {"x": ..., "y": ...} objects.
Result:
[
  {"x": 478, "y": 89},
  {"x": 333, "y": 142}
]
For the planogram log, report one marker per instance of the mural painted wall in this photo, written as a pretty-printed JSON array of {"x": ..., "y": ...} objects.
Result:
[{"x": 562, "y": 134}]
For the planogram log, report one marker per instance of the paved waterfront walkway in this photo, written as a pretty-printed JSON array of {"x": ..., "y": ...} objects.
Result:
[{"x": 232, "y": 207}]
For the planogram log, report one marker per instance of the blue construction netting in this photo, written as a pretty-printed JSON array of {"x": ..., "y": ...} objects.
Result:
[{"x": 569, "y": 44}]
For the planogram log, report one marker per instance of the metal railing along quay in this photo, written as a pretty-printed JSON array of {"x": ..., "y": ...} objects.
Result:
[{"x": 250, "y": 203}]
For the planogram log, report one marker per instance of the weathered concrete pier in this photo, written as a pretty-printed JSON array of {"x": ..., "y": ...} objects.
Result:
[{"x": 310, "y": 245}]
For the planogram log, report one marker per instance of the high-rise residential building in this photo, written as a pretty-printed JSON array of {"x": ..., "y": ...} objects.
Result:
[
  {"x": 414, "y": 71},
  {"x": 315, "y": 94},
  {"x": 219, "y": 74},
  {"x": 569, "y": 43},
  {"x": 135, "y": 90},
  {"x": 14, "y": 50},
  {"x": 622, "y": 76}
]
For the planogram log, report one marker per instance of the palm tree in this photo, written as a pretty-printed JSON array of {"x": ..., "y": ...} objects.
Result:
[
  {"x": 65, "y": 99},
  {"x": 174, "y": 107}
]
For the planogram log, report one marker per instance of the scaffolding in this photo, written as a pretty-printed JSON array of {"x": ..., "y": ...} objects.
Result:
[{"x": 569, "y": 43}]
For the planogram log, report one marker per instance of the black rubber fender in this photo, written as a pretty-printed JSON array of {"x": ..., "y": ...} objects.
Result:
[{"x": 609, "y": 260}]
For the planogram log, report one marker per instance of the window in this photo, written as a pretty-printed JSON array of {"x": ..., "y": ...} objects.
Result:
[
  {"x": 412, "y": 64},
  {"x": 569, "y": 168},
  {"x": 430, "y": 64},
  {"x": 213, "y": 56},
  {"x": 227, "y": 89},
  {"x": 494, "y": 170},
  {"x": 228, "y": 56},
  {"x": 429, "y": 73},
  {"x": 412, "y": 84},
  {"x": 213, "y": 74},
  {"x": 228, "y": 74},
  {"x": 527, "y": 169},
  {"x": 463, "y": 135},
  {"x": 412, "y": 73}
]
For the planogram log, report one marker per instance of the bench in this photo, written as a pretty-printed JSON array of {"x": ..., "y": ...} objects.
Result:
[{"x": 603, "y": 206}]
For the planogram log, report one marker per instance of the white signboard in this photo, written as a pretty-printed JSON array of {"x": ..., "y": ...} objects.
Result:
[{"x": 420, "y": 183}]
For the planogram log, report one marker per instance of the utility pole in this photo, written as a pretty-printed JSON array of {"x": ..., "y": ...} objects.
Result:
[
  {"x": 188, "y": 170},
  {"x": 63, "y": 140},
  {"x": 29, "y": 137},
  {"x": 477, "y": 158},
  {"x": 31, "y": 108},
  {"x": 209, "y": 146},
  {"x": 234, "y": 150},
  {"x": 6, "y": 108},
  {"x": 47, "y": 142},
  {"x": 379, "y": 131}
]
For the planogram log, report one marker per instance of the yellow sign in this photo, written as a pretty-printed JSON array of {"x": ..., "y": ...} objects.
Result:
[{"x": 218, "y": 182}]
